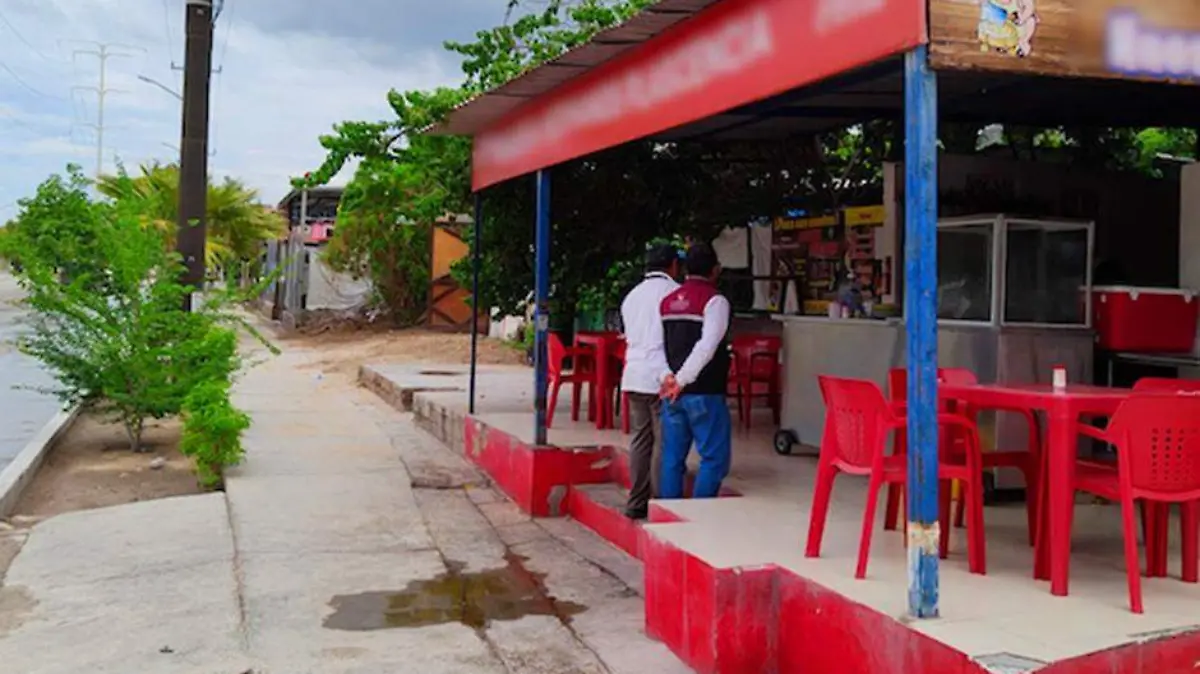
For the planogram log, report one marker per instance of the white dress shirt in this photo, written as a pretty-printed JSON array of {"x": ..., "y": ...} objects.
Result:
[
  {"x": 645, "y": 354},
  {"x": 712, "y": 337}
]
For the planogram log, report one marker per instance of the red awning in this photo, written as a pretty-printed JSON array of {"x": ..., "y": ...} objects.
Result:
[
  {"x": 480, "y": 112},
  {"x": 671, "y": 65}
]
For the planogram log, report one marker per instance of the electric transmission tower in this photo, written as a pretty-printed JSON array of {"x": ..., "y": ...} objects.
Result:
[{"x": 103, "y": 52}]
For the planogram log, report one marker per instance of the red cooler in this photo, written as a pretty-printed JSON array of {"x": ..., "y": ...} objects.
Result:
[{"x": 1145, "y": 320}]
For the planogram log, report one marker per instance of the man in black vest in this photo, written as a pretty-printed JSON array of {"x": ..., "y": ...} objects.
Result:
[{"x": 695, "y": 328}]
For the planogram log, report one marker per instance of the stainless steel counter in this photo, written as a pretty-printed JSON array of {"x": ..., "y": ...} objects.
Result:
[{"x": 867, "y": 349}]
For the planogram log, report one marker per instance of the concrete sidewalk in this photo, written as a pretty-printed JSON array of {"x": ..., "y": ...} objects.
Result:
[{"x": 324, "y": 514}]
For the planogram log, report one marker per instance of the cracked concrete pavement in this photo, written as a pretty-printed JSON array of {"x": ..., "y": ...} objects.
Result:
[{"x": 325, "y": 506}]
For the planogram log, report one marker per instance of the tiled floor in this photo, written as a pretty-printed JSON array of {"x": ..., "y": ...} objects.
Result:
[{"x": 1006, "y": 611}]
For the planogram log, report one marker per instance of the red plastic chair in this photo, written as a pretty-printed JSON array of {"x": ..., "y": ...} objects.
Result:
[
  {"x": 1157, "y": 436},
  {"x": 1165, "y": 385},
  {"x": 897, "y": 388},
  {"x": 1149, "y": 515},
  {"x": 755, "y": 373},
  {"x": 582, "y": 373},
  {"x": 1028, "y": 462},
  {"x": 617, "y": 366},
  {"x": 858, "y": 422}
]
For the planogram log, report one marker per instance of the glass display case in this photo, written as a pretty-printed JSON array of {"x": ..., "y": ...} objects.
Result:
[{"x": 1001, "y": 270}]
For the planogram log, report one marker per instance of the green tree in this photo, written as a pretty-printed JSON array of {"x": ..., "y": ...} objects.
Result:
[
  {"x": 56, "y": 227},
  {"x": 238, "y": 224},
  {"x": 406, "y": 180},
  {"x": 384, "y": 234},
  {"x": 436, "y": 169},
  {"x": 113, "y": 335},
  {"x": 507, "y": 51},
  {"x": 111, "y": 331}
]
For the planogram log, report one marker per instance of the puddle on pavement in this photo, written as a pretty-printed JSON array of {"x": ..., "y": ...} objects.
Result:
[{"x": 473, "y": 599}]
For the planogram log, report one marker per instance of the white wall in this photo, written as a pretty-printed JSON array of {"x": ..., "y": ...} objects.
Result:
[
  {"x": 330, "y": 290},
  {"x": 505, "y": 328}
]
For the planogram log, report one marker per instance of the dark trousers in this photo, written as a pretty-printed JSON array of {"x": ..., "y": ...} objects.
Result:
[{"x": 645, "y": 424}]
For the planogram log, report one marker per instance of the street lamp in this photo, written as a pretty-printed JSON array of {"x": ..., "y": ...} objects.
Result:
[
  {"x": 160, "y": 85},
  {"x": 153, "y": 82}
]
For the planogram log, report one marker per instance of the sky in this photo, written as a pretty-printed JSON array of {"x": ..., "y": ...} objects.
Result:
[{"x": 289, "y": 70}]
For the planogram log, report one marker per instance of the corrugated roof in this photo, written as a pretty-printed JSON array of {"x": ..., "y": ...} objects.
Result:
[
  {"x": 321, "y": 191},
  {"x": 485, "y": 109}
]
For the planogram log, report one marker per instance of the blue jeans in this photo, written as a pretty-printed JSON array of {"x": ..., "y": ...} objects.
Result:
[{"x": 704, "y": 419}]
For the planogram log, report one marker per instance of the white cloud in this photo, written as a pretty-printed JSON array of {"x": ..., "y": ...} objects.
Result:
[{"x": 277, "y": 92}]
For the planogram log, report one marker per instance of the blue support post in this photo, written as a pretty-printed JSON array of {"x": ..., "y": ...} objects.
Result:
[
  {"x": 920, "y": 312},
  {"x": 541, "y": 296},
  {"x": 476, "y": 260}
]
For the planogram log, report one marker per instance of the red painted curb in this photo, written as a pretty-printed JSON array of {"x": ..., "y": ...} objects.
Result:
[{"x": 762, "y": 620}]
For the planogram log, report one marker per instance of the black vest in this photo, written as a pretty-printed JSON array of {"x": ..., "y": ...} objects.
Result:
[{"x": 683, "y": 322}]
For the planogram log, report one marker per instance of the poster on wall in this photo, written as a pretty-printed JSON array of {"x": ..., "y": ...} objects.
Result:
[{"x": 1134, "y": 39}]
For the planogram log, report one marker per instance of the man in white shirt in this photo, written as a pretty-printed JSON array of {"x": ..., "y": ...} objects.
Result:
[{"x": 645, "y": 369}]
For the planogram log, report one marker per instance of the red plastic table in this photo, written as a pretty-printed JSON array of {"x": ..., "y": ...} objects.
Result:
[
  {"x": 1063, "y": 410},
  {"x": 604, "y": 344}
]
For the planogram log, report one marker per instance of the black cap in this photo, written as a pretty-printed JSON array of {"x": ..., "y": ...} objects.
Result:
[
  {"x": 660, "y": 257},
  {"x": 701, "y": 260}
]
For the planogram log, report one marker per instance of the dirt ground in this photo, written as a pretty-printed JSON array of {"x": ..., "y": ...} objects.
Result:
[
  {"x": 91, "y": 466},
  {"x": 343, "y": 351}
]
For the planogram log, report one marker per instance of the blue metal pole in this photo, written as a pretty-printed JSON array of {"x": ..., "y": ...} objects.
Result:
[
  {"x": 541, "y": 296},
  {"x": 920, "y": 312},
  {"x": 476, "y": 259}
]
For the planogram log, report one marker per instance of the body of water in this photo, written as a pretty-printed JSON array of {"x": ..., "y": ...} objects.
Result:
[{"x": 23, "y": 412}]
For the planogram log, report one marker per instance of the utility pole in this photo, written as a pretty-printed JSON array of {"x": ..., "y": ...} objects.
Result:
[
  {"x": 193, "y": 156},
  {"x": 102, "y": 52}
]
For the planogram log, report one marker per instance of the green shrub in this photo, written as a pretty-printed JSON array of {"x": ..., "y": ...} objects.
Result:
[
  {"x": 56, "y": 227},
  {"x": 212, "y": 431},
  {"x": 105, "y": 306}
]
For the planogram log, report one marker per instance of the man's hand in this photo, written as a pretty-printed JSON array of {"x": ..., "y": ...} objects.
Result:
[{"x": 670, "y": 388}]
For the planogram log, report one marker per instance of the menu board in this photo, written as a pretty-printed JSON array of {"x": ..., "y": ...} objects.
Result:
[{"x": 819, "y": 252}]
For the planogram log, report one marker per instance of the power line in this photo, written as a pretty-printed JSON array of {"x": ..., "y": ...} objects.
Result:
[
  {"x": 27, "y": 86},
  {"x": 167, "y": 30},
  {"x": 228, "y": 33},
  {"x": 35, "y": 50},
  {"x": 217, "y": 97},
  {"x": 18, "y": 121}
]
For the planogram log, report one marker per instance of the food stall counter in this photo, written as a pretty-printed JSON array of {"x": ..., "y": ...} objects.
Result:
[{"x": 1013, "y": 302}]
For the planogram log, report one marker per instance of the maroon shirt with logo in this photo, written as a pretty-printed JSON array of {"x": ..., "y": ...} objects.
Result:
[{"x": 683, "y": 323}]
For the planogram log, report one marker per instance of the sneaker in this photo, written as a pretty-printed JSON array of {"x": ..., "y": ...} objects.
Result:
[{"x": 637, "y": 515}]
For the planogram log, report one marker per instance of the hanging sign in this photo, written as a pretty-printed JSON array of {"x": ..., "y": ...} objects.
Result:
[
  {"x": 817, "y": 222},
  {"x": 864, "y": 216},
  {"x": 732, "y": 53},
  {"x": 1136, "y": 39}
]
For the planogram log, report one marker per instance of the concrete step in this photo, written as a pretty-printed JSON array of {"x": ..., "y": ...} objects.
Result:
[{"x": 601, "y": 508}]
